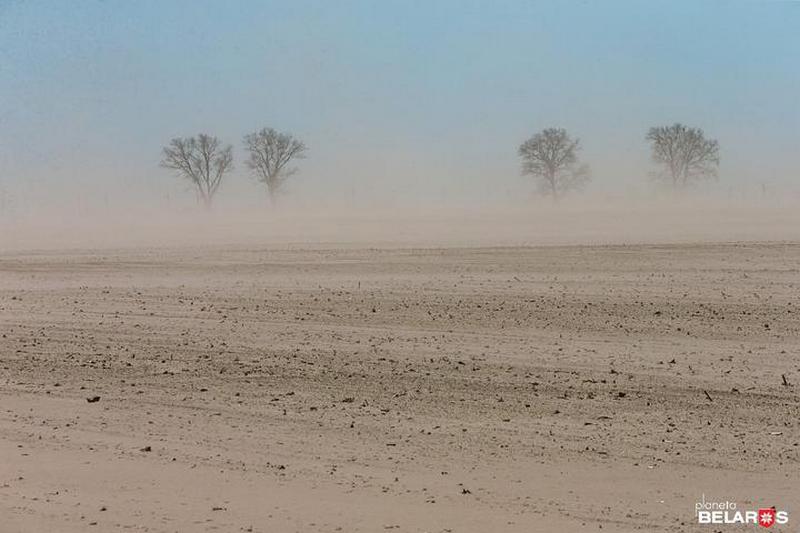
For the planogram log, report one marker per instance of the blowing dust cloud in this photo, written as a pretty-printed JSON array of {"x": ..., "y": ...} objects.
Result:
[{"x": 448, "y": 266}]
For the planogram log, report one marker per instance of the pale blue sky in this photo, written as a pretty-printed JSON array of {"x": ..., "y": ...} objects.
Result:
[{"x": 401, "y": 96}]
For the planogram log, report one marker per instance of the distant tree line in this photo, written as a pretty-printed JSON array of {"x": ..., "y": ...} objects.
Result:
[
  {"x": 683, "y": 155},
  {"x": 204, "y": 161}
]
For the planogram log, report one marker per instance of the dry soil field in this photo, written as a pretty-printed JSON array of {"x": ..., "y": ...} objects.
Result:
[{"x": 439, "y": 390}]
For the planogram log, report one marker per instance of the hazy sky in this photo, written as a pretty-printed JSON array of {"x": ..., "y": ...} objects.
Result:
[{"x": 427, "y": 98}]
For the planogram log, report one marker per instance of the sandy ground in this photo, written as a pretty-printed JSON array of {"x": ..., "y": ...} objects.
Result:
[{"x": 440, "y": 390}]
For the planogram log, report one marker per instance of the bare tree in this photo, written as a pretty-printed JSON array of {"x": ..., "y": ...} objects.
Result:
[
  {"x": 684, "y": 154},
  {"x": 271, "y": 152},
  {"x": 202, "y": 160},
  {"x": 551, "y": 156}
]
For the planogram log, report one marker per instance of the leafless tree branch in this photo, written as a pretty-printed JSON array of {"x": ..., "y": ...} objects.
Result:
[
  {"x": 202, "y": 160},
  {"x": 551, "y": 157},
  {"x": 270, "y": 154},
  {"x": 683, "y": 153}
]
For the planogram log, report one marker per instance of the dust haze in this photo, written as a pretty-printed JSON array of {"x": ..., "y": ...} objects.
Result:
[
  {"x": 430, "y": 219},
  {"x": 425, "y": 267}
]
